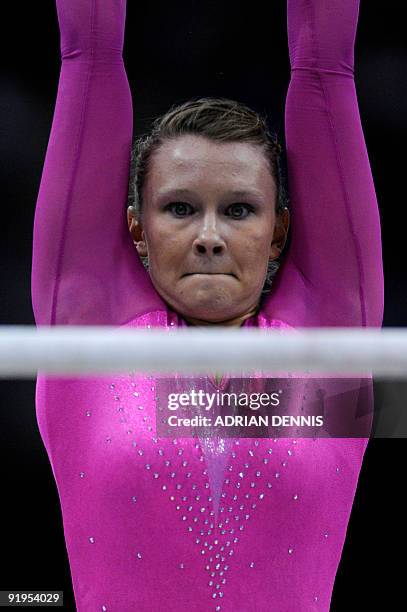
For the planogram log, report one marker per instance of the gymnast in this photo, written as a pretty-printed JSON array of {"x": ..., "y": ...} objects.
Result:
[{"x": 172, "y": 524}]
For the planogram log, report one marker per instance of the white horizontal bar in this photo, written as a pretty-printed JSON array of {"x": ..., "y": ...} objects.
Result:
[{"x": 91, "y": 350}]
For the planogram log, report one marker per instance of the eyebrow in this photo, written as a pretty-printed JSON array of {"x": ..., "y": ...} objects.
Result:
[
  {"x": 245, "y": 193},
  {"x": 235, "y": 193}
]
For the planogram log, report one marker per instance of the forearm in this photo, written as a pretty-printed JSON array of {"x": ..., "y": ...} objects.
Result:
[
  {"x": 321, "y": 34},
  {"x": 92, "y": 29}
]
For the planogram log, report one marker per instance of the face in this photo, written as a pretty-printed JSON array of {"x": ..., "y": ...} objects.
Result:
[{"x": 209, "y": 226}]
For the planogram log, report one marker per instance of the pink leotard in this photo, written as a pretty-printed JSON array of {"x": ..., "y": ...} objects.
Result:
[{"x": 160, "y": 524}]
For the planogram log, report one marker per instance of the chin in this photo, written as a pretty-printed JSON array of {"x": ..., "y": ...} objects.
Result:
[{"x": 210, "y": 309}]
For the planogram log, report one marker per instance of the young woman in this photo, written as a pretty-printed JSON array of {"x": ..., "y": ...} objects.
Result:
[{"x": 176, "y": 524}]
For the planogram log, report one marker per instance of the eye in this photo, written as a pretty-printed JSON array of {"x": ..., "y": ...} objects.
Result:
[
  {"x": 179, "y": 209},
  {"x": 239, "y": 211}
]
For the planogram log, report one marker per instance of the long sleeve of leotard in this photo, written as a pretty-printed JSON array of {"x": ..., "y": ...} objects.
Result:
[
  {"x": 332, "y": 274},
  {"x": 85, "y": 268}
]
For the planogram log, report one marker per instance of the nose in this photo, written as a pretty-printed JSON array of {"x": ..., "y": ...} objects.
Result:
[{"x": 209, "y": 241}]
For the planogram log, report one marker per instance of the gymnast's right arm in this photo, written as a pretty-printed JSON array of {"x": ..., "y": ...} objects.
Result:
[{"x": 85, "y": 269}]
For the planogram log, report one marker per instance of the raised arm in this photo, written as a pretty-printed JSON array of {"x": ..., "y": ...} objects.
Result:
[
  {"x": 332, "y": 274},
  {"x": 85, "y": 269}
]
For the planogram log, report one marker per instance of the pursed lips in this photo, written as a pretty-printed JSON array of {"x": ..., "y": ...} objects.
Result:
[{"x": 209, "y": 273}]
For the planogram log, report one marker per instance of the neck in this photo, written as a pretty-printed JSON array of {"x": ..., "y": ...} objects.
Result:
[{"x": 236, "y": 322}]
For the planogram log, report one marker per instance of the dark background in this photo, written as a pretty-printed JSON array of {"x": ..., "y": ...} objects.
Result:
[{"x": 175, "y": 51}]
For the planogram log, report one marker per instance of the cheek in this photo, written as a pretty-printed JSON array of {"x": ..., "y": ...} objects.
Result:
[
  {"x": 254, "y": 257},
  {"x": 164, "y": 245},
  {"x": 256, "y": 246}
]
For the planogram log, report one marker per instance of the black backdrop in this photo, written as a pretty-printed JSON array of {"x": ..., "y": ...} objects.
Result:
[{"x": 175, "y": 51}]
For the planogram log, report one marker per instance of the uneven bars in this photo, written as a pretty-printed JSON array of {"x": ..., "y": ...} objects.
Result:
[{"x": 24, "y": 350}]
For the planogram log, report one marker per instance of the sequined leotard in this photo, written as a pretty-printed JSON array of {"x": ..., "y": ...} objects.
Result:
[{"x": 160, "y": 524}]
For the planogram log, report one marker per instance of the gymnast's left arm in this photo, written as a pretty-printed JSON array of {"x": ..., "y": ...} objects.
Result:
[{"x": 332, "y": 274}]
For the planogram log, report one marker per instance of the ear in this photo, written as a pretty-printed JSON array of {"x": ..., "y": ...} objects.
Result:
[
  {"x": 280, "y": 233},
  {"x": 137, "y": 232}
]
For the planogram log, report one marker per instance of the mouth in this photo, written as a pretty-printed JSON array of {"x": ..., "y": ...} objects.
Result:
[{"x": 209, "y": 274}]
